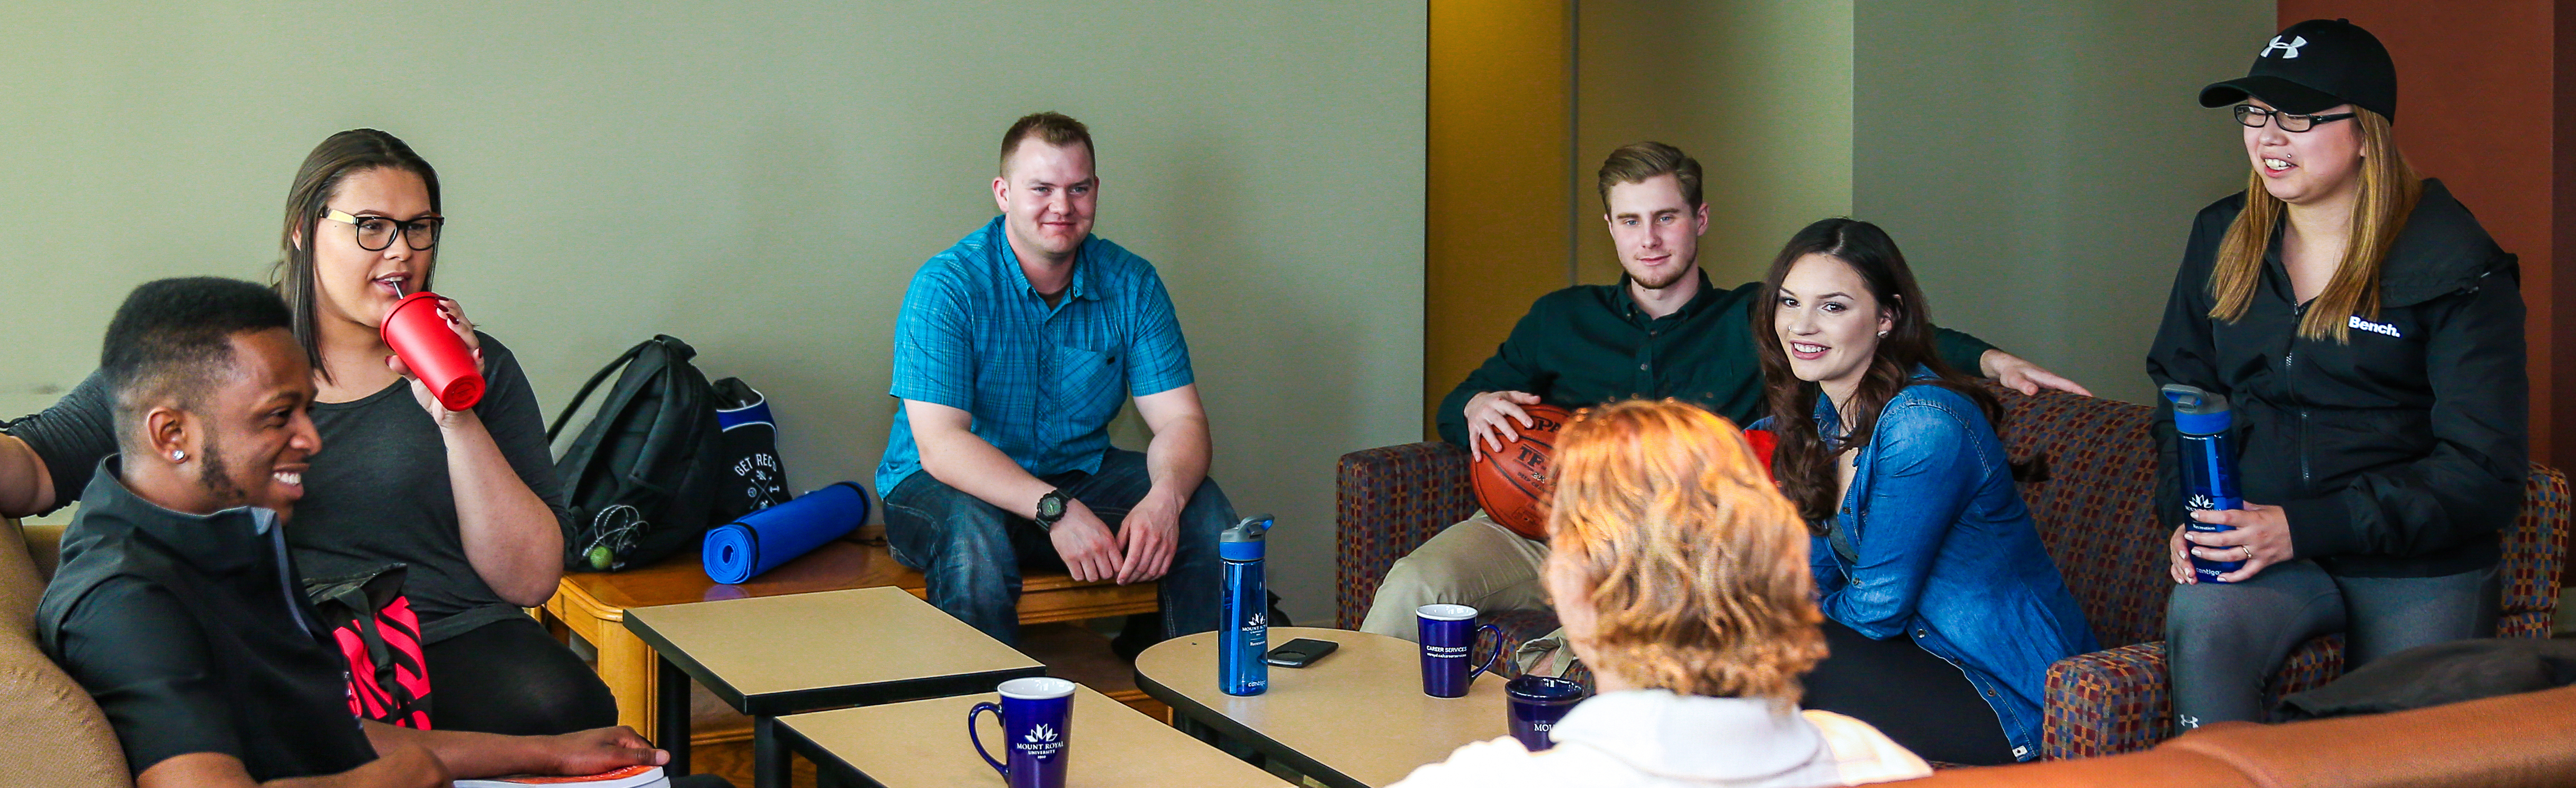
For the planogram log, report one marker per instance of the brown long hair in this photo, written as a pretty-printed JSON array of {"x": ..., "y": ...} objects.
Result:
[
  {"x": 2389, "y": 188},
  {"x": 1802, "y": 462},
  {"x": 342, "y": 155},
  {"x": 1698, "y": 568}
]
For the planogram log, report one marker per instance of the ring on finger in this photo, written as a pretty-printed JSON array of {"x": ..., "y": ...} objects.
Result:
[{"x": 2248, "y": 550}]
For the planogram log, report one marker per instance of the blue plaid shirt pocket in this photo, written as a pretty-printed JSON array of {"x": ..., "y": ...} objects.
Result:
[{"x": 1089, "y": 387}]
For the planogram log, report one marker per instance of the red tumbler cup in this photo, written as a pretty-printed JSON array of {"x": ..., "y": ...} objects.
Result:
[{"x": 425, "y": 337}]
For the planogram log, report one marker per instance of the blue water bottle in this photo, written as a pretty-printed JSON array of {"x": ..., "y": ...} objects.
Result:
[
  {"x": 1242, "y": 667},
  {"x": 2208, "y": 466}
]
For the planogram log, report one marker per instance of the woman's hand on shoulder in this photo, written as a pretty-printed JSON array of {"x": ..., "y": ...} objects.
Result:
[{"x": 2022, "y": 376}]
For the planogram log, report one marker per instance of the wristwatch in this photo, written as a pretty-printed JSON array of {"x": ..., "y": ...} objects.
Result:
[{"x": 1050, "y": 509}]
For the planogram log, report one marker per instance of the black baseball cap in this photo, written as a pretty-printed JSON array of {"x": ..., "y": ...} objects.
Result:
[{"x": 2315, "y": 65}]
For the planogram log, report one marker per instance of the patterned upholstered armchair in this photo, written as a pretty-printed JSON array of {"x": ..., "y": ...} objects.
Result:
[
  {"x": 1391, "y": 500},
  {"x": 2093, "y": 511}
]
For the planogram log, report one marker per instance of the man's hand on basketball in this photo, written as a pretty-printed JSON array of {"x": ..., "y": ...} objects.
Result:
[
  {"x": 1148, "y": 537},
  {"x": 1490, "y": 416},
  {"x": 1089, "y": 550}
]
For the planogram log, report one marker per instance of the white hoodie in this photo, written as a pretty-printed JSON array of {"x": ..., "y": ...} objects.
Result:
[{"x": 1658, "y": 738}]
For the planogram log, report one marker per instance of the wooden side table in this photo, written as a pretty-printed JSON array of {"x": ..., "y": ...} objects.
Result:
[{"x": 593, "y": 605}]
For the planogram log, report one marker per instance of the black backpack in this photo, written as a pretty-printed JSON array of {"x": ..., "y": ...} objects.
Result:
[{"x": 643, "y": 479}]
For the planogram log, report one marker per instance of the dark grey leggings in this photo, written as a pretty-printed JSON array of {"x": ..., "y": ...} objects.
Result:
[{"x": 2224, "y": 641}]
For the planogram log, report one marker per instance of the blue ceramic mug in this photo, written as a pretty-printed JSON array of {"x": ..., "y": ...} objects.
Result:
[
  {"x": 1037, "y": 727},
  {"x": 1448, "y": 639},
  {"x": 1537, "y": 703}
]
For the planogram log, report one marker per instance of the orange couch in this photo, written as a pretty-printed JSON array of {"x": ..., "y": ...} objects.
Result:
[{"x": 2508, "y": 742}]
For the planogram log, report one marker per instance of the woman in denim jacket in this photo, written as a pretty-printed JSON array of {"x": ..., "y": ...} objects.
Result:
[{"x": 1943, "y": 610}]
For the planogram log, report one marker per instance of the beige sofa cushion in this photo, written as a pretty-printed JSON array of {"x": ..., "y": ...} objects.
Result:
[
  {"x": 21, "y": 583},
  {"x": 55, "y": 733}
]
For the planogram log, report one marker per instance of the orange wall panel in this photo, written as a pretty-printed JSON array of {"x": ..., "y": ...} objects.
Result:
[
  {"x": 1501, "y": 104},
  {"x": 2478, "y": 107}
]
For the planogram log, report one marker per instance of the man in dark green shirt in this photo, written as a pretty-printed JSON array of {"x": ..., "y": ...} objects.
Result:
[{"x": 1663, "y": 331}]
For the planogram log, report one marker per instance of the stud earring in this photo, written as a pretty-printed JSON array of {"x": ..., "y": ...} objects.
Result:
[
  {"x": 1882, "y": 335},
  {"x": 177, "y": 455}
]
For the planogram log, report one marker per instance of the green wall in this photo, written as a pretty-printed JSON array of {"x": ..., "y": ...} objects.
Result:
[
  {"x": 2040, "y": 163},
  {"x": 1759, "y": 92},
  {"x": 761, "y": 180}
]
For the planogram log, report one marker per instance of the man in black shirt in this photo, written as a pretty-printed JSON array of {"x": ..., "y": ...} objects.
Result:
[
  {"x": 1663, "y": 331},
  {"x": 177, "y": 605}
]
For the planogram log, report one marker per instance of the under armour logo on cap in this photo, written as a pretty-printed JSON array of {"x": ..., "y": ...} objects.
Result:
[{"x": 2312, "y": 67}]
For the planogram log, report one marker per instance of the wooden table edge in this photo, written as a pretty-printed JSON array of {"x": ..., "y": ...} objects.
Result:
[
  {"x": 1185, "y": 706},
  {"x": 579, "y": 598}
]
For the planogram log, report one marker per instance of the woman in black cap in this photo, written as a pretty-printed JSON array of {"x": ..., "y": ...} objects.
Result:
[{"x": 2369, "y": 335}]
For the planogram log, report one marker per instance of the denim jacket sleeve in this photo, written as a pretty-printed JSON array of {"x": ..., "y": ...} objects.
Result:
[{"x": 1917, "y": 483}]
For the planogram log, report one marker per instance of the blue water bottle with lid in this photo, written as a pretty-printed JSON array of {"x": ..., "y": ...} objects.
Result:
[
  {"x": 2208, "y": 453},
  {"x": 1244, "y": 643}
]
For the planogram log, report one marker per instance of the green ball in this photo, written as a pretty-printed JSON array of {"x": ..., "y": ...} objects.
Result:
[{"x": 600, "y": 557}]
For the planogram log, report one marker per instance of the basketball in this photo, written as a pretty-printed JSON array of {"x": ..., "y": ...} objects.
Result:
[{"x": 1512, "y": 484}]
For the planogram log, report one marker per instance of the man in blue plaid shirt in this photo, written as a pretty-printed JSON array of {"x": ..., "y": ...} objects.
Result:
[{"x": 1012, "y": 353}]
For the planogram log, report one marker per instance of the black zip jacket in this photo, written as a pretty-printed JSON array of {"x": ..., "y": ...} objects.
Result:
[{"x": 2398, "y": 454}]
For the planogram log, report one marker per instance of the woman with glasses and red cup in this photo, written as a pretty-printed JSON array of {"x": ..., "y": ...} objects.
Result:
[
  {"x": 442, "y": 466},
  {"x": 2368, "y": 335},
  {"x": 1681, "y": 578}
]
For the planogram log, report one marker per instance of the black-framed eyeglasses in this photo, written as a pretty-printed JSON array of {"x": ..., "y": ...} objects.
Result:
[
  {"x": 377, "y": 232},
  {"x": 2254, "y": 117}
]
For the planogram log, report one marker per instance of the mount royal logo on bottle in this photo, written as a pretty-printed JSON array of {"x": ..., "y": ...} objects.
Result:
[{"x": 1256, "y": 632}]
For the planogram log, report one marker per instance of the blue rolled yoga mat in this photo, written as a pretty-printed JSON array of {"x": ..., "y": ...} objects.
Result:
[{"x": 762, "y": 540}]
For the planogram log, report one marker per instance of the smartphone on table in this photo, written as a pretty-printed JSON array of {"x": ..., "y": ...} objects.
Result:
[{"x": 1300, "y": 652}]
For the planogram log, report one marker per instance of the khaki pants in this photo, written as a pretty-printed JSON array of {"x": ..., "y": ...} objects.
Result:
[{"x": 1477, "y": 563}]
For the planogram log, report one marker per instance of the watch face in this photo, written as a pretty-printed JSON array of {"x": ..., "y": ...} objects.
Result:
[{"x": 1051, "y": 507}]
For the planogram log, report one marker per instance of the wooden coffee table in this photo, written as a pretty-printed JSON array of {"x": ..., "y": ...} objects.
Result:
[
  {"x": 593, "y": 605},
  {"x": 786, "y": 654},
  {"x": 923, "y": 743},
  {"x": 1355, "y": 719}
]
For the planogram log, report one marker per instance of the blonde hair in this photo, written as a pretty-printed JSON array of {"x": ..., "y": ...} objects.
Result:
[
  {"x": 1698, "y": 566},
  {"x": 2389, "y": 188}
]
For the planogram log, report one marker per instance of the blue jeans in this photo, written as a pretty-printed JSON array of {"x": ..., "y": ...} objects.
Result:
[{"x": 972, "y": 552}]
